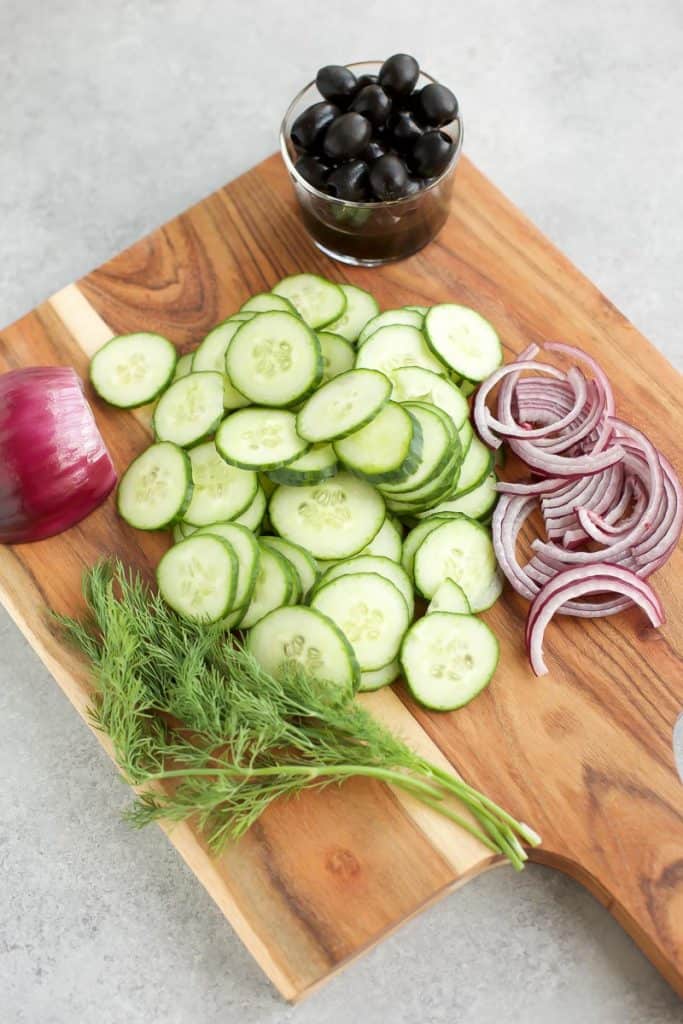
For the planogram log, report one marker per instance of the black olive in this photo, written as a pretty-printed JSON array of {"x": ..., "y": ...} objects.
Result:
[
  {"x": 405, "y": 131},
  {"x": 347, "y": 136},
  {"x": 399, "y": 74},
  {"x": 388, "y": 177},
  {"x": 372, "y": 102},
  {"x": 350, "y": 181},
  {"x": 413, "y": 186},
  {"x": 365, "y": 80},
  {"x": 337, "y": 84},
  {"x": 313, "y": 170},
  {"x": 436, "y": 105},
  {"x": 431, "y": 154},
  {"x": 310, "y": 126},
  {"x": 374, "y": 150}
]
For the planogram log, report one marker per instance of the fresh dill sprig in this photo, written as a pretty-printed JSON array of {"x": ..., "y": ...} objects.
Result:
[{"x": 208, "y": 734}]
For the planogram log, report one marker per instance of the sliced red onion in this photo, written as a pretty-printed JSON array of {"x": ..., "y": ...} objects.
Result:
[
  {"x": 597, "y": 370},
  {"x": 572, "y": 584},
  {"x": 54, "y": 466}
]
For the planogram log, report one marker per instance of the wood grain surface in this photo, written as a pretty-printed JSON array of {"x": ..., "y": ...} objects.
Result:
[{"x": 584, "y": 754}]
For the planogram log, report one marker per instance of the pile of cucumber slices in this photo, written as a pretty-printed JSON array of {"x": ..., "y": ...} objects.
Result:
[{"x": 293, "y": 448}]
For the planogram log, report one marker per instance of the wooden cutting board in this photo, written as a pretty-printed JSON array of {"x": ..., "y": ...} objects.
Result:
[{"x": 584, "y": 754}]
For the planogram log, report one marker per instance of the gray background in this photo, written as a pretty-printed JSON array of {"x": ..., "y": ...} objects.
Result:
[{"x": 114, "y": 117}]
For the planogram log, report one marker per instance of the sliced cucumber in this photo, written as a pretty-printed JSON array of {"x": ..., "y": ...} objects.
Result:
[
  {"x": 181, "y": 530},
  {"x": 275, "y": 584},
  {"x": 422, "y": 310},
  {"x": 211, "y": 356},
  {"x": 440, "y": 447},
  {"x": 320, "y": 463},
  {"x": 274, "y": 359},
  {"x": 392, "y": 347},
  {"x": 466, "y": 435},
  {"x": 156, "y": 489},
  {"x": 475, "y": 503},
  {"x": 380, "y": 677},
  {"x": 183, "y": 366},
  {"x": 197, "y": 578},
  {"x": 415, "y": 384},
  {"x": 386, "y": 449},
  {"x": 303, "y": 563},
  {"x": 370, "y": 611},
  {"x": 361, "y": 307},
  {"x": 389, "y": 318},
  {"x": 415, "y": 537},
  {"x": 391, "y": 571},
  {"x": 463, "y": 340},
  {"x": 343, "y": 405},
  {"x": 317, "y": 301},
  {"x": 190, "y": 409},
  {"x": 254, "y": 512},
  {"x": 468, "y": 387},
  {"x": 221, "y": 492},
  {"x": 132, "y": 369},
  {"x": 448, "y": 659},
  {"x": 302, "y": 638},
  {"x": 460, "y": 550},
  {"x": 333, "y": 519},
  {"x": 268, "y": 302},
  {"x": 449, "y": 597},
  {"x": 241, "y": 316},
  {"x": 387, "y": 543},
  {"x": 260, "y": 439},
  {"x": 248, "y": 555},
  {"x": 338, "y": 355},
  {"x": 476, "y": 466}
]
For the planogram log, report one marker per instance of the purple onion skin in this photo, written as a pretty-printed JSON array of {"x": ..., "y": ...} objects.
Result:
[{"x": 54, "y": 466}]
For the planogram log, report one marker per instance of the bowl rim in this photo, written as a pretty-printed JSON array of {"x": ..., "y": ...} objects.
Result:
[{"x": 383, "y": 203}]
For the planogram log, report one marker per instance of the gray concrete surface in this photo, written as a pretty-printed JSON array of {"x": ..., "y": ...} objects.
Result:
[{"x": 115, "y": 117}]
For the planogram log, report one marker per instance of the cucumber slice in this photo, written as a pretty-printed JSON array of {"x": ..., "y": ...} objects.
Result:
[
  {"x": 248, "y": 556},
  {"x": 333, "y": 519},
  {"x": 370, "y": 611},
  {"x": 275, "y": 584},
  {"x": 449, "y": 597},
  {"x": 448, "y": 659},
  {"x": 317, "y": 301},
  {"x": 183, "y": 366},
  {"x": 476, "y": 466},
  {"x": 466, "y": 435},
  {"x": 463, "y": 340},
  {"x": 156, "y": 489},
  {"x": 387, "y": 543},
  {"x": 181, "y": 530},
  {"x": 338, "y": 355},
  {"x": 190, "y": 409},
  {"x": 343, "y": 405},
  {"x": 241, "y": 316},
  {"x": 415, "y": 384},
  {"x": 460, "y": 550},
  {"x": 274, "y": 359},
  {"x": 197, "y": 578},
  {"x": 380, "y": 677},
  {"x": 305, "y": 639},
  {"x": 386, "y": 449},
  {"x": 440, "y": 448},
  {"x": 253, "y": 513},
  {"x": 361, "y": 307},
  {"x": 475, "y": 503},
  {"x": 211, "y": 356},
  {"x": 392, "y": 347},
  {"x": 468, "y": 387},
  {"x": 415, "y": 537},
  {"x": 320, "y": 463},
  {"x": 260, "y": 439},
  {"x": 221, "y": 492},
  {"x": 268, "y": 302},
  {"x": 133, "y": 369},
  {"x": 389, "y": 318},
  {"x": 303, "y": 563},
  {"x": 391, "y": 571},
  {"x": 422, "y": 310}
]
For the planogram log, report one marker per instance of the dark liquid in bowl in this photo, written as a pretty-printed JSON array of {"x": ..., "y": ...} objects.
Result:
[{"x": 377, "y": 231}]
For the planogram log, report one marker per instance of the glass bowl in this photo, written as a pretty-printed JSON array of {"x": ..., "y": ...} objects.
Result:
[{"x": 369, "y": 234}]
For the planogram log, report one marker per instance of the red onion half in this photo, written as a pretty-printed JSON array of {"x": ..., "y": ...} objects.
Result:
[
  {"x": 611, "y": 504},
  {"x": 54, "y": 466}
]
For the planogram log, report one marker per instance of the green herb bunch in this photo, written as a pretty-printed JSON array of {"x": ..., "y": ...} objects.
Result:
[{"x": 188, "y": 703}]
